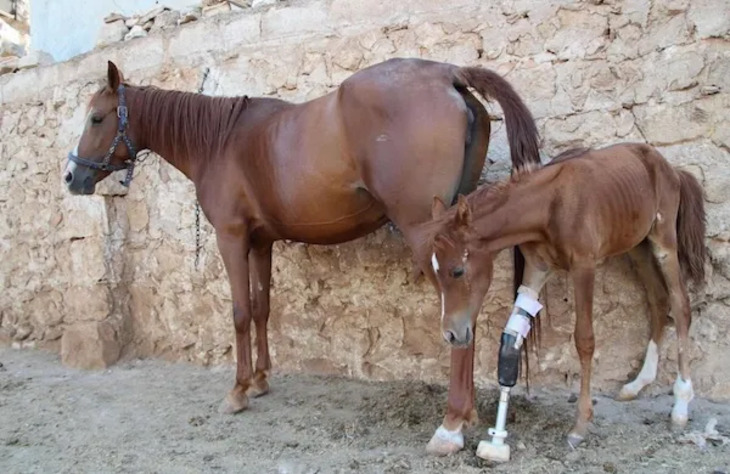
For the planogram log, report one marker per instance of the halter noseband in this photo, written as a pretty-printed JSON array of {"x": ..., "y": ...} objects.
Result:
[{"x": 105, "y": 163}]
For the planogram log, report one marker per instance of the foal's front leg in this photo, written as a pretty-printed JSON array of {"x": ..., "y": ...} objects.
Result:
[
  {"x": 585, "y": 343},
  {"x": 234, "y": 249}
]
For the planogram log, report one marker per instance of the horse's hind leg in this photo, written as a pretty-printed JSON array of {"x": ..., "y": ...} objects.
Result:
[
  {"x": 664, "y": 240},
  {"x": 658, "y": 300},
  {"x": 259, "y": 260}
]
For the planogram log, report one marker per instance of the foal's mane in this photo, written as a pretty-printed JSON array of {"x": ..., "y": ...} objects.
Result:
[{"x": 194, "y": 124}]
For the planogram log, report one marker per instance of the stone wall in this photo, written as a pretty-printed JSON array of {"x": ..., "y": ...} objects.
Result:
[{"x": 117, "y": 270}]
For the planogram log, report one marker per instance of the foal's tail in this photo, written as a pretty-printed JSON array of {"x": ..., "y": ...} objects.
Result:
[
  {"x": 691, "y": 222},
  {"x": 521, "y": 130}
]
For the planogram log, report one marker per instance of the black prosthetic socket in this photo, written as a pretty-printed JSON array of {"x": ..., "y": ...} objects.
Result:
[{"x": 509, "y": 360}]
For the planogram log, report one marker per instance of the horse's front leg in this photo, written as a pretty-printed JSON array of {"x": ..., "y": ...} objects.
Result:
[
  {"x": 234, "y": 249},
  {"x": 260, "y": 264}
]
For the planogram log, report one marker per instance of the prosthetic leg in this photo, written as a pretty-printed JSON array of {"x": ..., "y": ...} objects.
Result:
[{"x": 514, "y": 334}]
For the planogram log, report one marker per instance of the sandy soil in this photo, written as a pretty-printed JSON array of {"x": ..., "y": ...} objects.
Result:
[{"x": 154, "y": 416}]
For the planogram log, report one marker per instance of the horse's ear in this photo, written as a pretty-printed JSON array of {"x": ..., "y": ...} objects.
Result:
[
  {"x": 463, "y": 212},
  {"x": 438, "y": 208},
  {"x": 114, "y": 76}
]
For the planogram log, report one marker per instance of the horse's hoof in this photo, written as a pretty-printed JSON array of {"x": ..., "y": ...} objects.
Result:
[
  {"x": 574, "y": 440},
  {"x": 445, "y": 442},
  {"x": 258, "y": 388},
  {"x": 236, "y": 401}
]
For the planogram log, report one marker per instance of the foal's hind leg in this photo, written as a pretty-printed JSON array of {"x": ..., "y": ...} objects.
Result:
[
  {"x": 259, "y": 260},
  {"x": 665, "y": 249},
  {"x": 585, "y": 343},
  {"x": 658, "y": 300}
]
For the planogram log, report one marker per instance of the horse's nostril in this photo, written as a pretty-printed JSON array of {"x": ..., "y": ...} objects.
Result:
[
  {"x": 69, "y": 177},
  {"x": 449, "y": 336}
]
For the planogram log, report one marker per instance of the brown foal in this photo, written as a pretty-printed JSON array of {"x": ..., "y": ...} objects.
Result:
[
  {"x": 333, "y": 169},
  {"x": 571, "y": 214}
]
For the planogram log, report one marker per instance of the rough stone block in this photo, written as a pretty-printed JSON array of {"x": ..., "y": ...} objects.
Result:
[
  {"x": 710, "y": 17},
  {"x": 244, "y": 29},
  {"x": 91, "y": 345},
  {"x": 111, "y": 33},
  {"x": 34, "y": 59},
  {"x": 295, "y": 20},
  {"x": 166, "y": 20}
]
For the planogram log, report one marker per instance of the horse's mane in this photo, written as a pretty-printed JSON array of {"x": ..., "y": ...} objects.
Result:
[{"x": 197, "y": 125}]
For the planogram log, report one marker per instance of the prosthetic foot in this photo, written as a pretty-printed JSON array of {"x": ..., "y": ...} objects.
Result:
[{"x": 513, "y": 336}]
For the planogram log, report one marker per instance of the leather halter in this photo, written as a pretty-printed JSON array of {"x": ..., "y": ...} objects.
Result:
[{"x": 104, "y": 164}]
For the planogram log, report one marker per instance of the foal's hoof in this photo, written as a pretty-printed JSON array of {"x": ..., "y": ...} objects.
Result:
[
  {"x": 235, "y": 401},
  {"x": 445, "y": 442},
  {"x": 259, "y": 385},
  {"x": 574, "y": 440},
  {"x": 626, "y": 394},
  {"x": 679, "y": 421}
]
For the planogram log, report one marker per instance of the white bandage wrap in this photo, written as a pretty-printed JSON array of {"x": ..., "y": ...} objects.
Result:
[
  {"x": 527, "y": 301},
  {"x": 518, "y": 324}
]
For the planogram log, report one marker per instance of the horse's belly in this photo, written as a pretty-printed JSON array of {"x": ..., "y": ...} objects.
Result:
[{"x": 331, "y": 218}]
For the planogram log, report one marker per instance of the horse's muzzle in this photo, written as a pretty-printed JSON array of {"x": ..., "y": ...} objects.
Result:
[{"x": 79, "y": 180}]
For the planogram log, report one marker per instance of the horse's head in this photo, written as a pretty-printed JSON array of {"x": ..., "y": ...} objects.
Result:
[
  {"x": 463, "y": 271},
  {"x": 105, "y": 145}
]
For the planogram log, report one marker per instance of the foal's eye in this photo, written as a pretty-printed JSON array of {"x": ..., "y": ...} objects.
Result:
[
  {"x": 96, "y": 120},
  {"x": 457, "y": 272}
]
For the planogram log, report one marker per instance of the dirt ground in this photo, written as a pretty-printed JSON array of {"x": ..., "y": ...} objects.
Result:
[{"x": 155, "y": 416}]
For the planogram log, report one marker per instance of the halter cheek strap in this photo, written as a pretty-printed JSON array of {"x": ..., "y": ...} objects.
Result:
[{"x": 104, "y": 164}]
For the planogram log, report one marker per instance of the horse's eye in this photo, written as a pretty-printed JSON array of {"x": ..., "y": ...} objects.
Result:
[
  {"x": 96, "y": 120},
  {"x": 457, "y": 272}
]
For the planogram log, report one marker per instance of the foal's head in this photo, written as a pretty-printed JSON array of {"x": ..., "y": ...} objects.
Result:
[
  {"x": 104, "y": 145},
  {"x": 463, "y": 271}
]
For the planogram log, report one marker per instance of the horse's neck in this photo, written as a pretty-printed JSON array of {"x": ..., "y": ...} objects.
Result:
[
  {"x": 520, "y": 216},
  {"x": 145, "y": 129}
]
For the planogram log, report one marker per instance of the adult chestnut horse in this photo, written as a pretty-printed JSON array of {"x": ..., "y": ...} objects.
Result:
[
  {"x": 583, "y": 207},
  {"x": 330, "y": 170}
]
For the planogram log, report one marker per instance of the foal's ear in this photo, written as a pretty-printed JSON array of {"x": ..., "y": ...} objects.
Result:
[
  {"x": 114, "y": 76},
  {"x": 463, "y": 212},
  {"x": 438, "y": 208}
]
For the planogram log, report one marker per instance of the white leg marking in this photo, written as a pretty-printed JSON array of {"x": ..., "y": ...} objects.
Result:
[
  {"x": 683, "y": 394},
  {"x": 647, "y": 374},
  {"x": 444, "y": 442}
]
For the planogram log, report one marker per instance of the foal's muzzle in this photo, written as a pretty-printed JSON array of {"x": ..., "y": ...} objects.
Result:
[{"x": 459, "y": 335}]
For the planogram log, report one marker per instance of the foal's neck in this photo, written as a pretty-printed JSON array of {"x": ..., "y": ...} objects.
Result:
[{"x": 512, "y": 214}]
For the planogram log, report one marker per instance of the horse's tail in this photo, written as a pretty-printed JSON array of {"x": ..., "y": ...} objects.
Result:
[
  {"x": 521, "y": 129},
  {"x": 523, "y": 143},
  {"x": 691, "y": 222}
]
